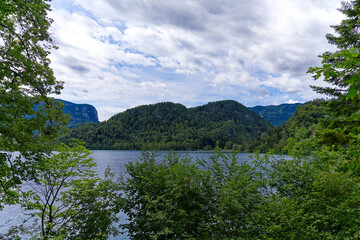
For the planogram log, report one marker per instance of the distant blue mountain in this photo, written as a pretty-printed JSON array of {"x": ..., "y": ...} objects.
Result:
[
  {"x": 80, "y": 113},
  {"x": 276, "y": 115}
]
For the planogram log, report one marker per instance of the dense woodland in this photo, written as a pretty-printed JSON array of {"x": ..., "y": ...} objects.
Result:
[
  {"x": 169, "y": 126},
  {"x": 276, "y": 114},
  {"x": 312, "y": 193},
  {"x": 303, "y": 124}
]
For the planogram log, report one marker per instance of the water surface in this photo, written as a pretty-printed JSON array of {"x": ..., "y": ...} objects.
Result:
[{"x": 116, "y": 160}]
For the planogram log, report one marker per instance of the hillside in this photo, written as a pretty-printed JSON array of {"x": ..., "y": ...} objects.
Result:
[
  {"x": 304, "y": 122},
  {"x": 170, "y": 126},
  {"x": 80, "y": 113},
  {"x": 276, "y": 114}
]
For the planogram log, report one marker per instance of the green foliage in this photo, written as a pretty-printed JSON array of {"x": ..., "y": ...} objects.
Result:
[
  {"x": 166, "y": 200},
  {"x": 270, "y": 198},
  {"x": 276, "y": 115},
  {"x": 26, "y": 80},
  {"x": 69, "y": 200},
  {"x": 170, "y": 126},
  {"x": 300, "y": 126},
  {"x": 317, "y": 197},
  {"x": 185, "y": 199},
  {"x": 312, "y": 198},
  {"x": 237, "y": 197},
  {"x": 341, "y": 70}
]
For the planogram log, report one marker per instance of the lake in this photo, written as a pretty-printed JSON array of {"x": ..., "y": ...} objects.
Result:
[{"x": 117, "y": 161}]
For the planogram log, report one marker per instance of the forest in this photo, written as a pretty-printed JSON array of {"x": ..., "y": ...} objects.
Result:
[
  {"x": 303, "y": 124},
  {"x": 169, "y": 126},
  {"x": 311, "y": 193},
  {"x": 276, "y": 114}
]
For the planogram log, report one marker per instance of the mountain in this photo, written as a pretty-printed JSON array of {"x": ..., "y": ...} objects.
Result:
[
  {"x": 301, "y": 125},
  {"x": 276, "y": 115},
  {"x": 170, "y": 126},
  {"x": 80, "y": 113}
]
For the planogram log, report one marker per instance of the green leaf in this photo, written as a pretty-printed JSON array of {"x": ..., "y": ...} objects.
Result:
[{"x": 352, "y": 92}]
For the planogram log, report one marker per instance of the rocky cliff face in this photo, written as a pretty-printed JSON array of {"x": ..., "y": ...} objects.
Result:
[{"x": 80, "y": 113}]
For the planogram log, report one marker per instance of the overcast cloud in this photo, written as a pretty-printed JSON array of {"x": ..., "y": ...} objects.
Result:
[{"x": 117, "y": 54}]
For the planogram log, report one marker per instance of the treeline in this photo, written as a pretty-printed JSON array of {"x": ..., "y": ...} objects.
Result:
[
  {"x": 224, "y": 198},
  {"x": 169, "y": 126},
  {"x": 276, "y": 114},
  {"x": 303, "y": 124}
]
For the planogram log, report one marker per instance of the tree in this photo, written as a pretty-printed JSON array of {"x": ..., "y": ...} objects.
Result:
[
  {"x": 182, "y": 198},
  {"x": 224, "y": 198},
  {"x": 69, "y": 200},
  {"x": 166, "y": 200},
  {"x": 29, "y": 119},
  {"x": 317, "y": 196},
  {"x": 308, "y": 198},
  {"x": 66, "y": 196},
  {"x": 341, "y": 69},
  {"x": 300, "y": 126}
]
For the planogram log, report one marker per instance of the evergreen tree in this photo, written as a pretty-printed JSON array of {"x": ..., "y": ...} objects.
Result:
[{"x": 341, "y": 70}]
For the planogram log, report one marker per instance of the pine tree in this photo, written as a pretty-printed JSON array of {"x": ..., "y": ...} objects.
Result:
[{"x": 341, "y": 69}]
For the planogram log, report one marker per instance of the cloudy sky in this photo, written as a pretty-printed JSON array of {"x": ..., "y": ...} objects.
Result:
[{"x": 118, "y": 54}]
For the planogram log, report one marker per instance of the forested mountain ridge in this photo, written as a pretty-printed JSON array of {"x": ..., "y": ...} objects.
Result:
[
  {"x": 276, "y": 114},
  {"x": 170, "y": 126},
  {"x": 301, "y": 125}
]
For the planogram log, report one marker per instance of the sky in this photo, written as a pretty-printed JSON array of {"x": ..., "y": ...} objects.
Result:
[{"x": 118, "y": 54}]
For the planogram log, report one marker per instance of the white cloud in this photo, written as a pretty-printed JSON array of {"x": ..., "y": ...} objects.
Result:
[
  {"x": 291, "y": 101},
  {"x": 137, "y": 52}
]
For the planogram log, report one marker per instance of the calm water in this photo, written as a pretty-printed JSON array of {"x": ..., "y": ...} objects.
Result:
[{"x": 117, "y": 161}]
